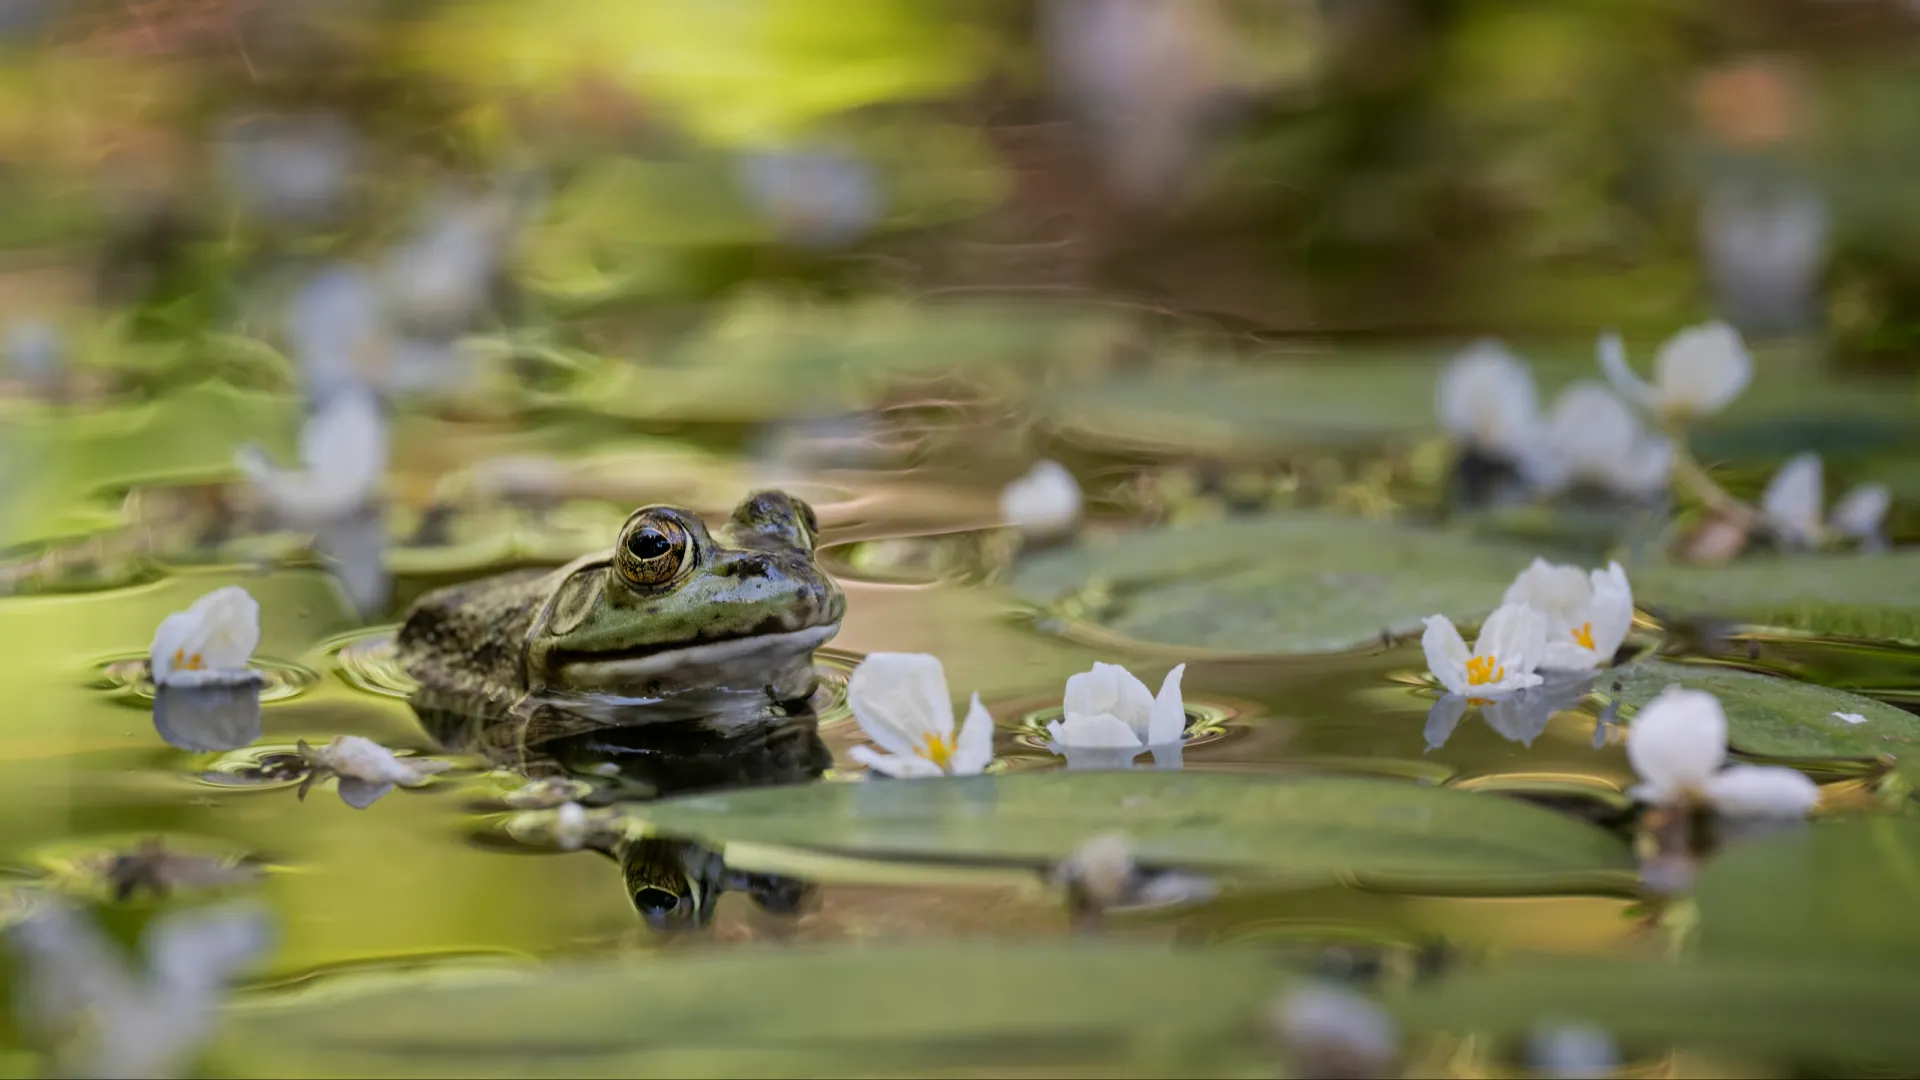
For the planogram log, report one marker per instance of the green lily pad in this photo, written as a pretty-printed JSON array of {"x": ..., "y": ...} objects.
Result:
[
  {"x": 1825, "y": 1010},
  {"x": 1312, "y": 828},
  {"x": 1279, "y": 583},
  {"x": 1012, "y": 1008},
  {"x": 1852, "y": 595},
  {"x": 1842, "y": 889},
  {"x": 1776, "y": 717}
]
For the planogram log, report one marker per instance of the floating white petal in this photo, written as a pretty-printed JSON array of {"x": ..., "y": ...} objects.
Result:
[
  {"x": 210, "y": 642},
  {"x": 1512, "y": 643},
  {"x": 1045, "y": 502}
]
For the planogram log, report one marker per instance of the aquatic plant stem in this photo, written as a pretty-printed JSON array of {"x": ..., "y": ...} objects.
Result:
[{"x": 1694, "y": 476}]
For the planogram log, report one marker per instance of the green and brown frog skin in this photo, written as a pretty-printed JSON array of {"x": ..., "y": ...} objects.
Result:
[{"x": 671, "y": 608}]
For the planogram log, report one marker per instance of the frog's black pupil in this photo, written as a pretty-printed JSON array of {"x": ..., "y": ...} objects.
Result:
[
  {"x": 648, "y": 544},
  {"x": 654, "y": 902}
]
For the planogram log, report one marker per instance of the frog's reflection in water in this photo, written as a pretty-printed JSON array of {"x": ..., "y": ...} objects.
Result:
[{"x": 655, "y": 750}]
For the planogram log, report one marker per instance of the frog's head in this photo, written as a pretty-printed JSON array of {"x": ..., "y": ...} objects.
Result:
[{"x": 673, "y": 607}]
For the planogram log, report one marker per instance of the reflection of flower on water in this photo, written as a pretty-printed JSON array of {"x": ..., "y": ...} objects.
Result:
[
  {"x": 366, "y": 769},
  {"x": 1677, "y": 744},
  {"x": 208, "y": 718},
  {"x": 209, "y": 643},
  {"x": 98, "y": 1016},
  {"x": 1111, "y": 717},
  {"x": 900, "y": 700},
  {"x": 1519, "y": 717}
]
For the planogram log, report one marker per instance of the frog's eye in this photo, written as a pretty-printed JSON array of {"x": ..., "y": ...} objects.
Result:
[{"x": 652, "y": 552}]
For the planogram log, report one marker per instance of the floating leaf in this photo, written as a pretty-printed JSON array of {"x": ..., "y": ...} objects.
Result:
[
  {"x": 1825, "y": 1010},
  {"x": 1777, "y": 717},
  {"x": 1852, "y": 595},
  {"x": 1314, "y": 828},
  {"x": 1273, "y": 584},
  {"x": 1013, "y": 1008},
  {"x": 1842, "y": 889}
]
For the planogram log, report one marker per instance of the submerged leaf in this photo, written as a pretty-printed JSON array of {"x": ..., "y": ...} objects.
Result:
[
  {"x": 1312, "y": 828},
  {"x": 1012, "y": 1008}
]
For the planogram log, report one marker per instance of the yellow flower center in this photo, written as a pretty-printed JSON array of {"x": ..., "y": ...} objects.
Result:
[
  {"x": 1584, "y": 635},
  {"x": 182, "y": 662},
  {"x": 939, "y": 750},
  {"x": 1481, "y": 670}
]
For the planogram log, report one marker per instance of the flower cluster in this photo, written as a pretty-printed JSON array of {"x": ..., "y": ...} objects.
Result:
[
  {"x": 1108, "y": 718},
  {"x": 1553, "y": 618}
]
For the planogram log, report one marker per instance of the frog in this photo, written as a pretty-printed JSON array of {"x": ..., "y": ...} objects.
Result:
[{"x": 672, "y": 607}]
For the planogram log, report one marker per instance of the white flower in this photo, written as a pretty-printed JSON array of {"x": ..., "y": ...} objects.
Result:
[
  {"x": 1792, "y": 502},
  {"x": 901, "y": 702},
  {"x": 1107, "y": 708},
  {"x": 210, "y": 642},
  {"x": 1849, "y": 717},
  {"x": 1511, "y": 644},
  {"x": 343, "y": 451},
  {"x": 1860, "y": 512},
  {"x": 1594, "y": 437},
  {"x": 1794, "y": 496},
  {"x": 1329, "y": 1031},
  {"x": 1485, "y": 398},
  {"x": 1677, "y": 744},
  {"x": 366, "y": 769},
  {"x": 105, "y": 1018},
  {"x": 1696, "y": 372},
  {"x": 1043, "y": 503},
  {"x": 1588, "y": 614}
]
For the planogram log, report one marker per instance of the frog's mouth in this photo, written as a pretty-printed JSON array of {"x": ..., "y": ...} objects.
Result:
[{"x": 744, "y": 652}]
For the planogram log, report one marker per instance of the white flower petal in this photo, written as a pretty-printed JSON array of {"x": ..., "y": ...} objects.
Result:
[
  {"x": 1515, "y": 635},
  {"x": 1699, "y": 370},
  {"x": 1569, "y": 656},
  {"x": 1102, "y": 732},
  {"x": 210, "y": 642},
  {"x": 1110, "y": 688},
  {"x": 1591, "y": 430},
  {"x": 1044, "y": 502},
  {"x": 973, "y": 748},
  {"x": 1849, "y": 717},
  {"x": 1167, "y": 718},
  {"x": 1643, "y": 473},
  {"x": 900, "y": 766},
  {"x": 1613, "y": 364},
  {"x": 1762, "y": 791},
  {"x": 1446, "y": 653},
  {"x": 900, "y": 699},
  {"x": 1678, "y": 741},
  {"x": 1792, "y": 501},
  {"x": 1611, "y": 615},
  {"x": 1485, "y": 397},
  {"x": 343, "y": 452},
  {"x": 1561, "y": 593},
  {"x": 1861, "y": 511}
]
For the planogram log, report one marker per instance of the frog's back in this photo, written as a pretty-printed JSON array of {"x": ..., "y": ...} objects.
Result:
[{"x": 470, "y": 639}]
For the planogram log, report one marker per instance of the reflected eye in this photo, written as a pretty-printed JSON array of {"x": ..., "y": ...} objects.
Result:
[{"x": 653, "y": 551}]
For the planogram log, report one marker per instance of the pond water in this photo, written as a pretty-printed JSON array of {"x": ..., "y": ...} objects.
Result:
[{"x": 428, "y": 883}]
